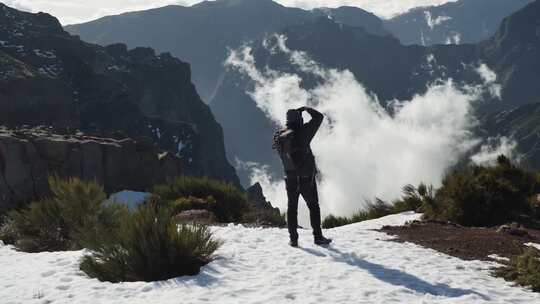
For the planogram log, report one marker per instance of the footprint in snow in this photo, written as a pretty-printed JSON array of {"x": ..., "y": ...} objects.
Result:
[
  {"x": 290, "y": 296},
  {"x": 146, "y": 289},
  {"x": 63, "y": 263},
  {"x": 66, "y": 280},
  {"x": 48, "y": 273},
  {"x": 63, "y": 287}
]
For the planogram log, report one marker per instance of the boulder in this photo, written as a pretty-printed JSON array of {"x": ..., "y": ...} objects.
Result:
[
  {"x": 29, "y": 156},
  {"x": 513, "y": 229}
]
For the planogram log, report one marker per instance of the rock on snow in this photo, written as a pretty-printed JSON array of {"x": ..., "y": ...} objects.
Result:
[{"x": 257, "y": 266}]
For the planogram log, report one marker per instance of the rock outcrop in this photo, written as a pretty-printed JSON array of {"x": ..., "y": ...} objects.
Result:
[
  {"x": 256, "y": 196},
  {"x": 48, "y": 77},
  {"x": 29, "y": 156}
]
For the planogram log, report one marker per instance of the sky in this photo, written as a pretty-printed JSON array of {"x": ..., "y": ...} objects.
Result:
[{"x": 77, "y": 11}]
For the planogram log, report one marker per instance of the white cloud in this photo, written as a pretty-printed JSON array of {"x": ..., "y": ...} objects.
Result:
[
  {"x": 76, "y": 11},
  {"x": 493, "y": 148},
  {"x": 490, "y": 79},
  {"x": 433, "y": 22},
  {"x": 363, "y": 151}
]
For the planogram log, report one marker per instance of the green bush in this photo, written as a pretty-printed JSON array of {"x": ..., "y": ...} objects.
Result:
[
  {"x": 52, "y": 224},
  {"x": 523, "y": 269},
  {"x": 265, "y": 217},
  {"x": 332, "y": 221},
  {"x": 148, "y": 245},
  {"x": 230, "y": 203},
  {"x": 487, "y": 196},
  {"x": 193, "y": 203},
  {"x": 8, "y": 231},
  {"x": 419, "y": 199},
  {"x": 371, "y": 211}
]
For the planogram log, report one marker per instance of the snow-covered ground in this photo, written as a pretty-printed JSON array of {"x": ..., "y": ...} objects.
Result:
[{"x": 257, "y": 266}]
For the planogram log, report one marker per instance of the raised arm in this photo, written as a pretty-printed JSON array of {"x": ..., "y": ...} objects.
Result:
[{"x": 314, "y": 124}]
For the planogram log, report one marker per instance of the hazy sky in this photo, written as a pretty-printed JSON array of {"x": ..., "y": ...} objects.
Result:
[{"x": 76, "y": 11}]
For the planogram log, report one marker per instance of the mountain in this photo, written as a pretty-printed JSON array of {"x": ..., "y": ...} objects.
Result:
[
  {"x": 521, "y": 124},
  {"x": 354, "y": 16},
  {"x": 514, "y": 54},
  {"x": 386, "y": 68},
  {"x": 48, "y": 77},
  {"x": 336, "y": 39},
  {"x": 203, "y": 33},
  {"x": 464, "y": 21}
]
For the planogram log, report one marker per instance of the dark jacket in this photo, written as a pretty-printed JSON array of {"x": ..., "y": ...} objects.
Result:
[{"x": 302, "y": 139}]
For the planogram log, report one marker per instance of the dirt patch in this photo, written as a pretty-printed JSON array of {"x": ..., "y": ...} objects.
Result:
[{"x": 463, "y": 242}]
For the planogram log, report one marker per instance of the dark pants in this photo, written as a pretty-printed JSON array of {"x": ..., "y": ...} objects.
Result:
[{"x": 307, "y": 186}]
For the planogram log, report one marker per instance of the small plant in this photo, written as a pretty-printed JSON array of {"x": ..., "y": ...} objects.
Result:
[
  {"x": 419, "y": 199},
  {"x": 52, "y": 224},
  {"x": 148, "y": 245},
  {"x": 523, "y": 269},
  {"x": 230, "y": 203}
]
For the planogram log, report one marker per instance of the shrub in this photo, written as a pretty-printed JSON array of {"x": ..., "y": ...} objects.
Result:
[
  {"x": 148, "y": 246},
  {"x": 371, "y": 211},
  {"x": 193, "y": 203},
  {"x": 419, "y": 199},
  {"x": 332, "y": 221},
  {"x": 486, "y": 196},
  {"x": 53, "y": 223},
  {"x": 8, "y": 231},
  {"x": 523, "y": 269},
  {"x": 230, "y": 203},
  {"x": 265, "y": 217}
]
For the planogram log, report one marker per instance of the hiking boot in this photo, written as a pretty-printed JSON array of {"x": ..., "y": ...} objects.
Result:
[
  {"x": 293, "y": 243},
  {"x": 322, "y": 241}
]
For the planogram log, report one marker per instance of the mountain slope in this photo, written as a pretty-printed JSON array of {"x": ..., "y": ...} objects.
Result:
[
  {"x": 362, "y": 266},
  {"x": 521, "y": 124},
  {"x": 514, "y": 53},
  {"x": 464, "y": 21},
  {"x": 50, "y": 77},
  {"x": 202, "y": 34}
]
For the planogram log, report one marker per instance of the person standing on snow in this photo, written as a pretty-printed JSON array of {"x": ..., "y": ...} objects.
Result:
[{"x": 293, "y": 146}]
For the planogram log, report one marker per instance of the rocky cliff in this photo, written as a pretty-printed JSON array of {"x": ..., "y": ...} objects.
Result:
[
  {"x": 48, "y": 77},
  {"x": 29, "y": 156}
]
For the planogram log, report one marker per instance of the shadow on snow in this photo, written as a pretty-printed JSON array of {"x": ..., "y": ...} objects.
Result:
[{"x": 395, "y": 277}]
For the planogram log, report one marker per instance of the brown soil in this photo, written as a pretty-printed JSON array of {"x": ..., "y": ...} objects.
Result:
[{"x": 463, "y": 242}]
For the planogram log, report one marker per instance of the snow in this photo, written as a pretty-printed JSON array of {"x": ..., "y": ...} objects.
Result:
[
  {"x": 534, "y": 245},
  {"x": 256, "y": 265},
  {"x": 130, "y": 198}
]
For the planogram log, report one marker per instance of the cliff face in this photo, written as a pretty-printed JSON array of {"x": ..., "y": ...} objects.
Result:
[
  {"x": 29, "y": 156},
  {"x": 48, "y": 77}
]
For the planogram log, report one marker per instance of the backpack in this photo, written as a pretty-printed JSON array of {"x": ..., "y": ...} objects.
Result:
[{"x": 291, "y": 154}]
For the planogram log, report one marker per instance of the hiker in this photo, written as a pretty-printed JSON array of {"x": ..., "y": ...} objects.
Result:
[{"x": 293, "y": 145}]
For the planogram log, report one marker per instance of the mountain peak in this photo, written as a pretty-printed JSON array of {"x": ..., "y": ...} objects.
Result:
[
  {"x": 24, "y": 22},
  {"x": 232, "y": 3}
]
